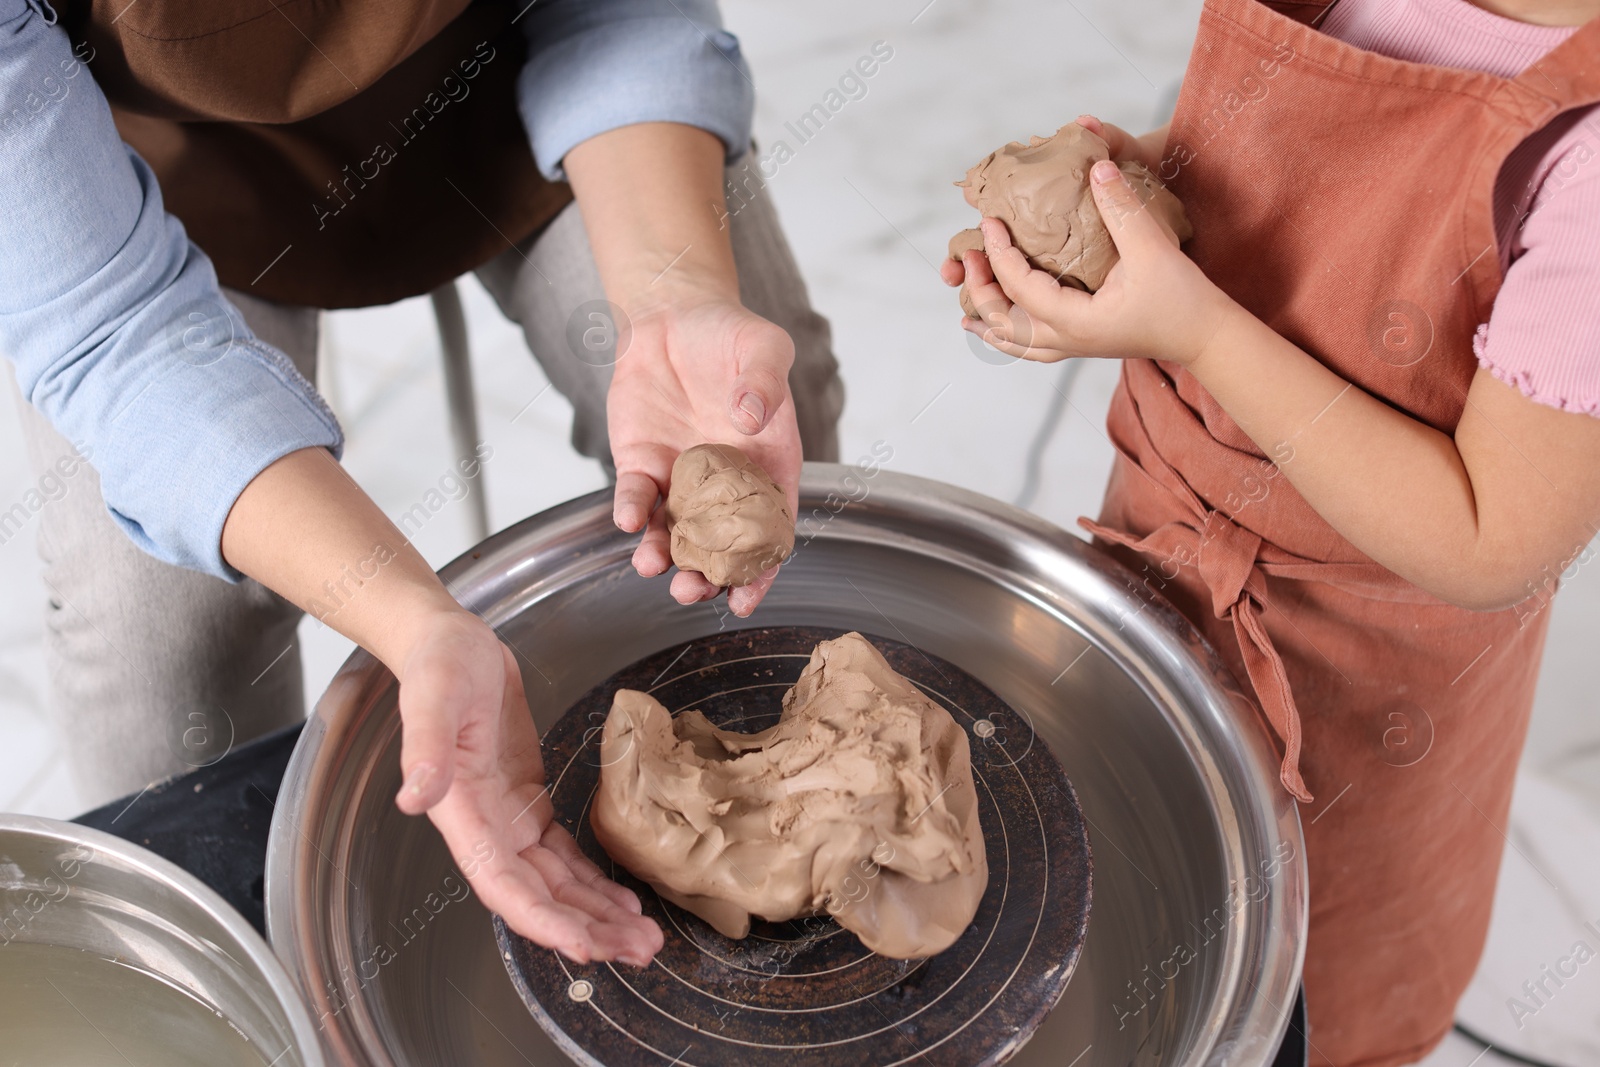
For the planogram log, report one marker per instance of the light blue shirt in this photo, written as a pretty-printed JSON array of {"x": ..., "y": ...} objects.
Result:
[{"x": 115, "y": 322}]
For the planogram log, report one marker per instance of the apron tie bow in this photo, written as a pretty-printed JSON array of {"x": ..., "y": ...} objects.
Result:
[
  {"x": 1225, "y": 555},
  {"x": 1227, "y": 560}
]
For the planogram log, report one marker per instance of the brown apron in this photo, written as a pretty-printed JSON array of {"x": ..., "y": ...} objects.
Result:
[
  {"x": 336, "y": 154},
  {"x": 1346, "y": 199}
]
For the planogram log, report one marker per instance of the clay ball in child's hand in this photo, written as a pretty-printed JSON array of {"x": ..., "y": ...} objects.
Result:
[
  {"x": 729, "y": 520},
  {"x": 1040, "y": 190}
]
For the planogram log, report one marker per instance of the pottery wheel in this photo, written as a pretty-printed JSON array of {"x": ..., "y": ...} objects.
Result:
[{"x": 807, "y": 993}]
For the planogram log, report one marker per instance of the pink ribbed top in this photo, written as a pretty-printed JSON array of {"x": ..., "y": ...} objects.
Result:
[{"x": 1543, "y": 335}]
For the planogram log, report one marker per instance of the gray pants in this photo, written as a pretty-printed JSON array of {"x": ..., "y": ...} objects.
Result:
[{"x": 155, "y": 669}]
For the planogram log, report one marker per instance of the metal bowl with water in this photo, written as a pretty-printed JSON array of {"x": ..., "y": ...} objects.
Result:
[
  {"x": 111, "y": 955},
  {"x": 1196, "y": 936}
]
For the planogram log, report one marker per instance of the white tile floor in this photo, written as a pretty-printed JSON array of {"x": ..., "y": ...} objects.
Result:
[{"x": 868, "y": 207}]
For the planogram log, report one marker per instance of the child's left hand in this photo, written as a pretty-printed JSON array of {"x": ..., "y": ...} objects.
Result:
[{"x": 1156, "y": 303}]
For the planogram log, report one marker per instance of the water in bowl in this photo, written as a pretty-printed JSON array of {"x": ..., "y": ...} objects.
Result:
[{"x": 64, "y": 1007}]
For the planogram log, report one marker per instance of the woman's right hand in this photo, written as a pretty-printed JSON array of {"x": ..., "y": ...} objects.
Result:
[{"x": 469, "y": 753}]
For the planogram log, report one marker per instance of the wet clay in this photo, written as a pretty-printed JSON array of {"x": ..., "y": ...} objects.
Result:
[
  {"x": 1040, "y": 190},
  {"x": 729, "y": 520},
  {"x": 859, "y": 803}
]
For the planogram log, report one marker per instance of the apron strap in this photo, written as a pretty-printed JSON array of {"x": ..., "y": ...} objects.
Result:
[{"x": 1567, "y": 76}]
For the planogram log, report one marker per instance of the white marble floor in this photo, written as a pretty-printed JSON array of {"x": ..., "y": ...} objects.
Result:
[{"x": 868, "y": 206}]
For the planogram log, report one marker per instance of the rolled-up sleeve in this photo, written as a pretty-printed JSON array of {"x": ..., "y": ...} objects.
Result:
[
  {"x": 595, "y": 65},
  {"x": 115, "y": 322}
]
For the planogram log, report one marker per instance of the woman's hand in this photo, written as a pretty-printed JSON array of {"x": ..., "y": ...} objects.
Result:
[
  {"x": 698, "y": 367},
  {"x": 698, "y": 370},
  {"x": 470, "y": 759},
  {"x": 469, "y": 753},
  {"x": 1155, "y": 303}
]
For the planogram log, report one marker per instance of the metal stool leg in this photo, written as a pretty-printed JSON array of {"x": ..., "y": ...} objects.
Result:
[{"x": 458, "y": 394}]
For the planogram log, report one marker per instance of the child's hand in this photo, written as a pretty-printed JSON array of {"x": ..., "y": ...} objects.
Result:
[
  {"x": 1155, "y": 304},
  {"x": 1124, "y": 145},
  {"x": 1119, "y": 142}
]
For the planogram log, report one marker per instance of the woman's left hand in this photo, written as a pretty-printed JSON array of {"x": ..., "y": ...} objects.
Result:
[
  {"x": 1156, "y": 303},
  {"x": 696, "y": 371}
]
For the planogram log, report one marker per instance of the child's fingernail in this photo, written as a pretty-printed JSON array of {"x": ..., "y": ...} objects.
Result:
[{"x": 1104, "y": 171}]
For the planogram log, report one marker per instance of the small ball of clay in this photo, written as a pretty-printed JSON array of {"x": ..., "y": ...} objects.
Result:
[
  {"x": 1040, "y": 190},
  {"x": 729, "y": 520},
  {"x": 859, "y": 802}
]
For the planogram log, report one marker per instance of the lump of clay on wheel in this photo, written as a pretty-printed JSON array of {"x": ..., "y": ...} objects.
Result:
[
  {"x": 729, "y": 520},
  {"x": 859, "y": 803},
  {"x": 1040, "y": 190}
]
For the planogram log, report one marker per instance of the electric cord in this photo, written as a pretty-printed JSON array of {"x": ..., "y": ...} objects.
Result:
[
  {"x": 1514, "y": 1057},
  {"x": 1033, "y": 462}
]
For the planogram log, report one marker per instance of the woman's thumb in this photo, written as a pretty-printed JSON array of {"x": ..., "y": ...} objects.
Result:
[
  {"x": 763, "y": 382},
  {"x": 432, "y": 697}
]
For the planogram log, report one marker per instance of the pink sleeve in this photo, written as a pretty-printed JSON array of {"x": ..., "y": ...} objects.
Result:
[{"x": 1543, "y": 335}]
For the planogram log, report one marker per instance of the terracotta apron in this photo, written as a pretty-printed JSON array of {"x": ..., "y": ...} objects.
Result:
[
  {"x": 334, "y": 154},
  {"x": 1346, "y": 199}
]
